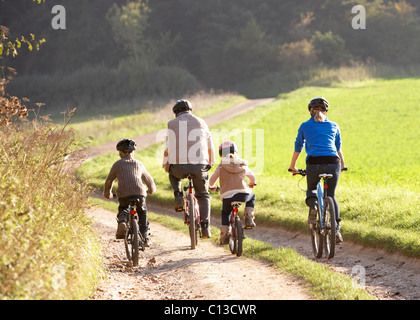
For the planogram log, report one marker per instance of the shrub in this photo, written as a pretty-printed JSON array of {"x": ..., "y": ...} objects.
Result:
[{"x": 48, "y": 248}]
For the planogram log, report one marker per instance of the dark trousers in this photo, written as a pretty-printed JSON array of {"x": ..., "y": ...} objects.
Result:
[
  {"x": 248, "y": 198},
  {"x": 200, "y": 175},
  {"x": 141, "y": 209},
  {"x": 312, "y": 177}
]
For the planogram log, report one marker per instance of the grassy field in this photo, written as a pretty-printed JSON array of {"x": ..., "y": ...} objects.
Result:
[
  {"x": 115, "y": 126},
  {"x": 378, "y": 196}
]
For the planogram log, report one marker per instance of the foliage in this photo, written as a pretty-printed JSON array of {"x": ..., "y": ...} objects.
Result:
[
  {"x": 10, "y": 107},
  {"x": 49, "y": 250},
  {"x": 232, "y": 45},
  {"x": 128, "y": 24},
  {"x": 8, "y": 47}
]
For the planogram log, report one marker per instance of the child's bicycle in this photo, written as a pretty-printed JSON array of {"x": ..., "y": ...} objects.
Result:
[
  {"x": 133, "y": 239},
  {"x": 323, "y": 231},
  {"x": 191, "y": 213},
  {"x": 236, "y": 236}
]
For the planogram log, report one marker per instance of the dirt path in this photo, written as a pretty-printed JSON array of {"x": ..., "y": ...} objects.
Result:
[{"x": 171, "y": 270}]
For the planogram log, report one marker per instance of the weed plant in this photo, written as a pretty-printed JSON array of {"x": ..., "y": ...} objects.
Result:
[{"x": 48, "y": 248}]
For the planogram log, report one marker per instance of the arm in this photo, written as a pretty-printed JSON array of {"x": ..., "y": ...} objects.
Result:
[
  {"x": 293, "y": 162},
  {"x": 340, "y": 154},
  {"x": 109, "y": 182},
  {"x": 148, "y": 181},
  {"x": 299, "y": 143},
  {"x": 251, "y": 176},
  {"x": 213, "y": 179},
  {"x": 210, "y": 149}
]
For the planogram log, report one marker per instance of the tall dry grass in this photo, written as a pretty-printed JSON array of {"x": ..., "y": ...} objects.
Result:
[{"x": 48, "y": 248}]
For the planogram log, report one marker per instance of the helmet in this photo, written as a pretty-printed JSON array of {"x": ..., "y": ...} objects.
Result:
[
  {"x": 227, "y": 147},
  {"x": 181, "y": 105},
  {"x": 126, "y": 145},
  {"x": 319, "y": 103}
]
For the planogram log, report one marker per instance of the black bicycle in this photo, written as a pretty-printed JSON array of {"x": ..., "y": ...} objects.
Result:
[
  {"x": 192, "y": 213},
  {"x": 323, "y": 230},
  {"x": 133, "y": 239},
  {"x": 236, "y": 236}
]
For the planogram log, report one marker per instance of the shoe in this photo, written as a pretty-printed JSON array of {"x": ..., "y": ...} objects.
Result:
[
  {"x": 122, "y": 227},
  {"x": 179, "y": 203},
  {"x": 312, "y": 215},
  {"x": 147, "y": 242},
  {"x": 249, "y": 218},
  {"x": 224, "y": 235},
  {"x": 338, "y": 236},
  {"x": 205, "y": 230}
]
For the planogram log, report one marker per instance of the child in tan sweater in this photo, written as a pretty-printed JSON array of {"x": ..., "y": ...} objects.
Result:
[
  {"x": 133, "y": 179},
  {"x": 232, "y": 172}
]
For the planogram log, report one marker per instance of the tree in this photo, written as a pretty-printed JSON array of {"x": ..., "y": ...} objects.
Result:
[
  {"x": 331, "y": 48},
  {"x": 129, "y": 23}
]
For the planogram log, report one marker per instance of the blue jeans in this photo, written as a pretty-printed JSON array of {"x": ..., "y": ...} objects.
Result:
[
  {"x": 200, "y": 175},
  {"x": 248, "y": 198},
  {"x": 141, "y": 210},
  {"x": 312, "y": 178}
]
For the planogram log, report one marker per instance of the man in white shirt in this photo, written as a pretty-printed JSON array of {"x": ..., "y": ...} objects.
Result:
[{"x": 189, "y": 150}]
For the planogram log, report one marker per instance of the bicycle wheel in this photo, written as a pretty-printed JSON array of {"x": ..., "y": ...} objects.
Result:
[
  {"x": 316, "y": 237},
  {"x": 131, "y": 241},
  {"x": 330, "y": 228},
  {"x": 239, "y": 237},
  {"x": 233, "y": 238},
  {"x": 192, "y": 221}
]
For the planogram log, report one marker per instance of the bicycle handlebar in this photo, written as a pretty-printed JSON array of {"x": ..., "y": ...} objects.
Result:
[{"x": 302, "y": 172}]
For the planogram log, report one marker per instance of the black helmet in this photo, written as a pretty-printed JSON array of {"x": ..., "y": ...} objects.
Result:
[
  {"x": 227, "y": 147},
  {"x": 126, "y": 145},
  {"x": 181, "y": 105},
  {"x": 319, "y": 103}
]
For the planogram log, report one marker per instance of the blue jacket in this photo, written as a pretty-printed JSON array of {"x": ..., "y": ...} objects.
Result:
[{"x": 319, "y": 138}]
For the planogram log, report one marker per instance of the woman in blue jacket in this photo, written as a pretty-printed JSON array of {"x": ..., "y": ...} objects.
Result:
[{"x": 322, "y": 141}]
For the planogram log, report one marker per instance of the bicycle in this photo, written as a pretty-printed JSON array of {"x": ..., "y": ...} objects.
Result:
[
  {"x": 191, "y": 213},
  {"x": 323, "y": 231},
  {"x": 236, "y": 236},
  {"x": 133, "y": 239}
]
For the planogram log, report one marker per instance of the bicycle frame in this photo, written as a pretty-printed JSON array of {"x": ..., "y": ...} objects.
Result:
[
  {"x": 190, "y": 191},
  {"x": 237, "y": 232},
  {"x": 192, "y": 213},
  {"x": 322, "y": 194}
]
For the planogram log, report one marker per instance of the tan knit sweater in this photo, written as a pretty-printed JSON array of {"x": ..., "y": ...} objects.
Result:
[{"x": 132, "y": 177}]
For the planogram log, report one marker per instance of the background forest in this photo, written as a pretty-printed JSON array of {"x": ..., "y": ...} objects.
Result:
[{"x": 120, "y": 50}]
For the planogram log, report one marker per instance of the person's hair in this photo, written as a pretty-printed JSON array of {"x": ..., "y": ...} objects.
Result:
[{"x": 320, "y": 116}]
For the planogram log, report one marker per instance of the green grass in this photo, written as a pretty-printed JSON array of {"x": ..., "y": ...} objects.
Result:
[
  {"x": 378, "y": 196},
  {"x": 115, "y": 126},
  {"x": 323, "y": 283}
]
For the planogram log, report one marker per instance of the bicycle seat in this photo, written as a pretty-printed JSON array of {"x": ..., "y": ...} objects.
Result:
[
  {"x": 234, "y": 203},
  {"x": 326, "y": 175}
]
